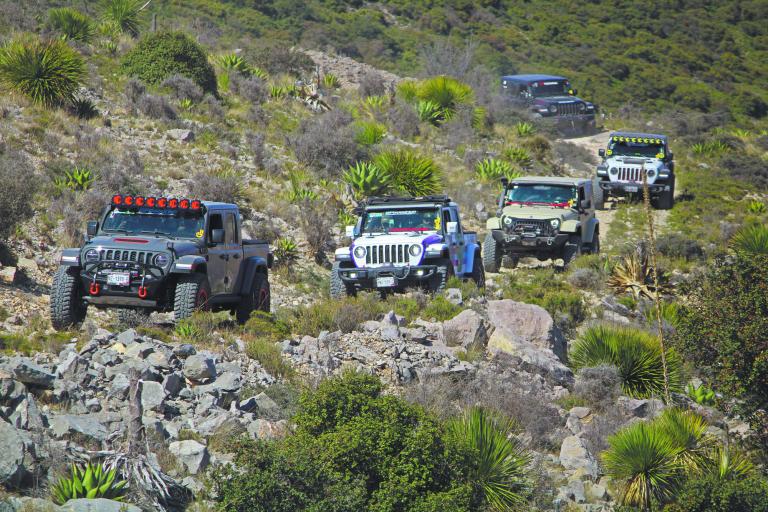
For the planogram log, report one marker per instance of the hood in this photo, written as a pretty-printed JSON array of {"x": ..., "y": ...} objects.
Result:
[
  {"x": 142, "y": 243},
  {"x": 371, "y": 243},
  {"x": 649, "y": 162},
  {"x": 548, "y": 100},
  {"x": 538, "y": 212}
]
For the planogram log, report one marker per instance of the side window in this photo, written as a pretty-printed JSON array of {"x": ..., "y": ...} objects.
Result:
[
  {"x": 455, "y": 217},
  {"x": 231, "y": 237},
  {"x": 582, "y": 195},
  {"x": 214, "y": 222}
]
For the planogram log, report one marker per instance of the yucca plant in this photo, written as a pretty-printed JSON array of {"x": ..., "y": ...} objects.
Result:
[
  {"x": 756, "y": 207},
  {"x": 729, "y": 464},
  {"x": 123, "y": 16},
  {"x": 634, "y": 274},
  {"x": 369, "y": 133},
  {"x": 93, "y": 481},
  {"x": 447, "y": 92},
  {"x": 751, "y": 240},
  {"x": 409, "y": 172},
  {"x": 742, "y": 133},
  {"x": 258, "y": 72},
  {"x": 407, "y": 90},
  {"x": 429, "y": 112},
  {"x": 233, "y": 62},
  {"x": 366, "y": 179},
  {"x": 701, "y": 394},
  {"x": 71, "y": 23},
  {"x": 83, "y": 108},
  {"x": 345, "y": 218},
  {"x": 492, "y": 170},
  {"x": 186, "y": 104},
  {"x": 331, "y": 81},
  {"x": 222, "y": 81},
  {"x": 635, "y": 353},
  {"x": 298, "y": 191},
  {"x": 710, "y": 148},
  {"x": 518, "y": 156},
  {"x": 479, "y": 117},
  {"x": 78, "y": 179},
  {"x": 278, "y": 91},
  {"x": 688, "y": 431},
  {"x": 501, "y": 471},
  {"x": 524, "y": 129},
  {"x": 49, "y": 73},
  {"x": 374, "y": 103},
  {"x": 286, "y": 252},
  {"x": 645, "y": 461}
]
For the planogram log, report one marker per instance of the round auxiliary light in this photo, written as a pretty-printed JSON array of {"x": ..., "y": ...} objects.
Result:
[
  {"x": 140, "y": 201},
  {"x": 614, "y": 171},
  {"x": 507, "y": 221},
  {"x": 92, "y": 256},
  {"x": 414, "y": 250},
  {"x": 151, "y": 202},
  {"x": 162, "y": 202},
  {"x": 195, "y": 204},
  {"x": 555, "y": 223},
  {"x": 651, "y": 173},
  {"x": 161, "y": 260},
  {"x": 184, "y": 204},
  {"x": 117, "y": 199},
  {"x": 359, "y": 252},
  {"x": 173, "y": 203},
  {"x": 128, "y": 200}
]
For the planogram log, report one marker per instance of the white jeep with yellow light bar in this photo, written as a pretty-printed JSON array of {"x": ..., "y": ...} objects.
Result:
[
  {"x": 162, "y": 254},
  {"x": 628, "y": 157}
]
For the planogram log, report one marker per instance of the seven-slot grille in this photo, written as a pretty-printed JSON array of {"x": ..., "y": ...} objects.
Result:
[
  {"x": 567, "y": 109},
  {"x": 393, "y": 254},
  {"x": 630, "y": 174},
  {"x": 532, "y": 226},
  {"x": 127, "y": 256}
]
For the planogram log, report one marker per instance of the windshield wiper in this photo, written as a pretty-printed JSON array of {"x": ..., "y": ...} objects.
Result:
[{"x": 156, "y": 232}]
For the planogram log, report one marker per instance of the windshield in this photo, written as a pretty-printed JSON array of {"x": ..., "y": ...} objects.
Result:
[
  {"x": 546, "y": 88},
  {"x": 175, "y": 223},
  {"x": 550, "y": 195},
  {"x": 629, "y": 148},
  {"x": 394, "y": 221}
]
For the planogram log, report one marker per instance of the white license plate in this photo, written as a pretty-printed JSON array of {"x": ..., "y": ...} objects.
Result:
[
  {"x": 385, "y": 282},
  {"x": 630, "y": 189},
  {"x": 119, "y": 279}
]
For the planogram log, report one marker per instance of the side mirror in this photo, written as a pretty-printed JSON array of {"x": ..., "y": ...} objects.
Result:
[
  {"x": 504, "y": 182},
  {"x": 92, "y": 228},
  {"x": 585, "y": 204},
  {"x": 217, "y": 236},
  {"x": 451, "y": 227},
  {"x": 573, "y": 92},
  {"x": 670, "y": 156},
  {"x": 349, "y": 231},
  {"x": 601, "y": 152}
]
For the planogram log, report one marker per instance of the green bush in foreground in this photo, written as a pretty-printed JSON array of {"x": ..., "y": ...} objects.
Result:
[
  {"x": 165, "y": 54},
  {"x": 72, "y": 24},
  {"x": 709, "y": 493}
]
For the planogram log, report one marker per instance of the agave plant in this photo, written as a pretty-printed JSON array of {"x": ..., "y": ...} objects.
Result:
[
  {"x": 331, "y": 81},
  {"x": 407, "y": 90},
  {"x": 186, "y": 104},
  {"x": 374, "y": 103},
  {"x": 429, "y": 112},
  {"x": 634, "y": 274},
  {"x": 48, "y": 73},
  {"x": 729, "y": 464},
  {"x": 345, "y": 218},
  {"x": 756, "y": 207},
  {"x": 701, "y": 394},
  {"x": 742, "y": 133},
  {"x": 298, "y": 191},
  {"x": 258, "y": 72},
  {"x": 286, "y": 252},
  {"x": 366, "y": 179},
  {"x": 188, "y": 330},
  {"x": 635, "y": 353},
  {"x": 93, "y": 481},
  {"x": 710, "y": 148},
  {"x": 72, "y": 24},
  {"x": 524, "y": 129},
  {"x": 751, "y": 240},
  {"x": 369, "y": 133},
  {"x": 233, "y": 62},
  {"x": 83, "y": 108},
  {"x": 79, "y": 178},
  {"x": 124, "y": 16},
  {"x": 518, "y": 156},
  {"x": 409, "y": 172},
  {"x": 491, "y": 170},
  {"x": 501, "y": 473},
  {"x": 278, "y": 91}
]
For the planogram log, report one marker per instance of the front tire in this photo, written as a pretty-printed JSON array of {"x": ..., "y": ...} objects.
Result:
[
  {"x": 444, "y": 273},
  {"x": 572, "y": 249},
  {"x": 339, "y": 289},
  {"x": 491, "y": 254},
  {"x": 598, "y": 196},
  {"x": 67, "y": 307},
  {"x": 193, "y": 293},
  {"x": 258, "y": 299}
]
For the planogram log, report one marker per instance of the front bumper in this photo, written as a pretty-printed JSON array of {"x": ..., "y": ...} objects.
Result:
[
  {"x": 632, "y": 187},
  {"x": 403, "y": 276},
  {"x": 521, "y": 244},
  {"x": 567, "y": 119},
  {"x": 147, "y": 282}
]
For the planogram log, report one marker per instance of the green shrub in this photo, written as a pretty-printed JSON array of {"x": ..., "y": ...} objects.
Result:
[
  {"x": 441, "y": 309},
  {"x": 123, "y": 16},
  {"x": 79, "y": 178},
  {"x": 286, "y": 252},
  {"x": 702, "y": 395},
  {"x": 366, "y": 179},
  {"x": 269, "y": 355},
  {"x": 331, "y": 81},
  {"x": 266, "y": 327},
  {"x": 710, "y": 494},
  {"x": 518, "y": 156},
  {"x": 83, "y": 108},
  {"x": 72, "y": 24},
  {"x": 165, "y": 54},
  {"x": 91, "y": 482},
  {"x": 437, "y": 99},
  {"x": 524, "y": 129},
  {"x": 636, "y": 354},
  {"x": 751, "y": 240},
  {"x": 491, "y": 170},
  {"x": 369, "y": 133},
  {"x": 49, "y": 73},
  {"x": 410, "y": 173}
]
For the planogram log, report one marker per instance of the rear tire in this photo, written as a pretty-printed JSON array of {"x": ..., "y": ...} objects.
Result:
[
  {"x": 258, "y": 299},
  {"x": 67, "y": 307},
  {"x": 339, "y": 289},
  {"x": 572, "y": 249},
  {"x": 193, "y": 293},
  {"x": 491, "y": 254},
  {"x": 478, "y": 273}
]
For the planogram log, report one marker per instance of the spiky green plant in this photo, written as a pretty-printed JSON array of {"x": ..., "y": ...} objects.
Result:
[
  {"x": 188, "y": 330},
  {"x": 374, "y": 103},
  {"x": 429, "y": 112},
  {"x": 345, "y": 218},
  {"x": 524, "y": 129},
  {"x": 479, "y": 117},
  {"x": 670, "y": 313},
  {"x": 369, "y": 133},
  {"x": 123, "y": 16},
  {"x": 756, "y": 207},
  {"x": 407, "y": 90},
  {"x": 83, "y": 108},
  {"x": 688, "y": 432},
  {"x": 331, "y": 81},
  {"x": 710, "y": 148},
  {"x": 410, "y": 172},
  {"x": 298, "y": 191},
  {"x": 729, "y": 464},
  {"x": 277, "y": 92},
  {"x": 71, "y": 23},
  {"x": 645, "y": 461},
  {"x": 186, "y": 104},
  {"x": 742, "y": 133},
  {"x": 491, "y": 170},
  {"x": 222, "y": 81},
  {"x": 233, "y": 62},
  {"x": 366, "y": 179},
  {"x": 635, "y": 353},
  {"x": 751, "y": 240},
  {"x": 518, "y": 156},
  {"x": 258, "y": 72},
  {"x": 91, "y": 482},
  {"x": 501, "y": 472},
  {"x": 447, "y": 92},
  {"x": 701, "y": 394},
  {"x": 286, "y": 252},
  {"x": 49, "y": 73},
  {"x": 79, "y": 178}
]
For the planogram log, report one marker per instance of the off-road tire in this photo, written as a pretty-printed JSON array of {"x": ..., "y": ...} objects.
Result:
[
  {"x": 67, "y": 306},
  {"x": 572, "y": 249},
  {"x": 193, "y": 293},
  {"x": 259, "y": 298},
  {"x": 666, "y": 199},
  {"x": 598, "y": 196},
  {"x": 491, "y": 254},
  {"x": 129, "y": 318},
  {"x": 478, "y": 273},
  {"x": 339, "y": 289},
  {"x": 440, "y": 279}
]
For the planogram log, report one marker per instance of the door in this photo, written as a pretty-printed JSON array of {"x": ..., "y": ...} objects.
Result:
[
  {"x": 218, "y": 256},
  {"x": 585, "y": 215},
  {"x": 234, "y": 251},
  {"x": 455, "y": 240},
  {"x": 461, "y": 243}
]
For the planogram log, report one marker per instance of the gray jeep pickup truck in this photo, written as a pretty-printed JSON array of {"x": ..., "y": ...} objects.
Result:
[{"x": 163, "y": 254}]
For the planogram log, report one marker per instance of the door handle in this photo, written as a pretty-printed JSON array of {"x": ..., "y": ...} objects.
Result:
[
  {"x": 236, "y": 256},
  {"x": 224, "y": 256}
]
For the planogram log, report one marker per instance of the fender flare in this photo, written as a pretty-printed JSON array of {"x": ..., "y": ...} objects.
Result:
[
  {"x": 70, "y": 258},
  {"x": 571, "y": 226},
  {"x": 493, "y": 223},
  {"x": 588, "y": 233},
  {"x": 248, "y": 270},
  {"x": 189, "y": 265},
  {"x": 472, "y": 252}
]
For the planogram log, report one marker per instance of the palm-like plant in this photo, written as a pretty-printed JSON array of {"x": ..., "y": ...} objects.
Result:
[
  {"x": 286, "y": 252},
  {"x": 633, "y": 273},
  {"x": 429, "y": 112},
  {"x": 369, "y": 133},
  {"x": 123, "y": 16},
  {"x": 491, "y": 169},
  {"x": 233, "y": 62},
  {"x": 524, "y": 129},
  {"x": 729, "y": 464},
  {"x": 646, "y": 461},
  {"x": 751, "y": 240},
  {"x": 48, "y": 73},
  {"x": 366, "y": 179},
  {"x": 71, "y": 23},
  {"x": 518, "y": 156},
  {"x": 756, "y": 207},
  {"x": 688, "y": 432},
  {"x": 93, "y": 481},
  {"x": 635, "y": 353},
  {"x": 702, "y": 395},
  {"x": 501, "y": 470},
  {"x": 331, "y": 81},
  {"x": 410, "y": 173}
]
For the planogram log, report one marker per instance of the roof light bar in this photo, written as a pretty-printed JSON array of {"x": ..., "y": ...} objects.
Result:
[{"x": 128, "y": 201}]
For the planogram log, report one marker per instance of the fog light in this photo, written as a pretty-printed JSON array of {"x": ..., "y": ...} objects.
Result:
[
  {"x": 419, "y": 273},
  {"x": 353, "y": 275}
]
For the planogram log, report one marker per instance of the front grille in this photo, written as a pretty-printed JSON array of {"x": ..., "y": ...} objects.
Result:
[
  {"x": 143, "y": 257},
  {"x": 630, "y": 174},
  {"x": 392, "y": 254},
  {"x": 567, "y": 109},
  {"x": 532, "y": 227}
]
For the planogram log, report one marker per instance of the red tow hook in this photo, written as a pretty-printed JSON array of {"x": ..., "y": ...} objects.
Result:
[
  {"x": 94, "y": 289},
  {"x": 142, "y": 292}
]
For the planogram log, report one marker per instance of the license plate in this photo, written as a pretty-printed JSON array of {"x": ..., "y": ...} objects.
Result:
[
  {"x": 529, "y": 242},
  {"x": 119, "y": 279},
  {"x": 385, "y": 282},
  {"x": 630, "y": 189}
]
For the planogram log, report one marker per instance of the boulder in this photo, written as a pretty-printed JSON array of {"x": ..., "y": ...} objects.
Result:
[
  {"x": 466, "y": 329},
  {"x": 173, "y": 383},
  {"x": 263, "y": 429},
  {"x": 181, "y": 135},
  {"x": 191, "y": 454},
  {"x": 26, "y": 371},
  {"x": 73, "y": 367},
  {"x": 454, "y": 296},
  {"x": 12, "y": 449},
  {"x": 97, "y": 505},
  {"x": 199, "y": 367},
  {"x": 574, "y": 456},
  {"x": 152, "y": 396},
  {"x": 127, "y": 337},
  {"x": 83, "y": 425},
  {"x": 529, "y": 323}
]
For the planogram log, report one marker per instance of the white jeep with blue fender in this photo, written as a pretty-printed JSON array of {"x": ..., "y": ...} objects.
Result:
[{"x": 399, "y": 243}]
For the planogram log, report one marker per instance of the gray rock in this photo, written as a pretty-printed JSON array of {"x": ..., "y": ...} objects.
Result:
[
  {"x": 191, "y": 454},
  {"x": 263, "y": 429},
  {"x": 72, "y": 367},
  {"x": 97, "y": 505},
  {"x": 12, "y": 449},
  {"x": 84, "y": 425},
  {"x": 120, "y": 386},
  {"x": 184, "y": 350},
  {"x": 65, "y": 390},
  {"x": 11, "y": 391},
  {"x": 7, "y": 274},
  {"x": 199, "y": 367},
  {"x": 27, "y": 415},
  {"x": 140, "y": 350},
  {"x": 528, "y": 322},
  {"x": 641, "y": 408},
  {"x": 93, "y": 404},
  {"x": 106, "y": 357},
  {"x": 181, "y": 135},
  {"x": 580, "y": 412},
  {"x": 25, "y": 503},
  {"x": 173, "y": 383},
  {"x": 146, "y": 372},
  {"x": 26, "y": 371},
  {"x": 152, "y": 396},
  {"x": 454, "y": 296},
  {"x": 574, "y": 456},
  {"x": 575, "y": 491},
  {"x": 127, "y": 337},
  {"x": 265, "y": 403},
  {"x": 597, "y": 492},
  {"x": 159, "y": 360},
  {"x": 466, "y": 329}
]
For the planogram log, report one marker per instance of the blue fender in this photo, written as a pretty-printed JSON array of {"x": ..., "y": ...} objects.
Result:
[
  {"x": 189, "y": 265},
  {"x": 248, "y": 270},
  {"x": 471, "y": 251}
]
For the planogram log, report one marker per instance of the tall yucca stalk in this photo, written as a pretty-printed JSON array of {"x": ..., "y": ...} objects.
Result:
[
  {"x": 751, "y": 240},
  {"x": 501, "y": 471},
  {"x": 49, "y": 73}
]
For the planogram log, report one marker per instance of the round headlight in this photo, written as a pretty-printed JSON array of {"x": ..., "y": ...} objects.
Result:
[
  {"x": 553, "y": 108},
  {"x": 414, "y": 250},
  {"x": 161, "y": 260},
  {"x": 92, "y": 256},
  {"x": 507, "y": 221},
  {"x": 359, "y": 252},
  {"x": 582, "y": 107},
  {"x": 614, "y": 170},
  {"x": 650, "y": 173},
  {"x": 555, "y": 223}
]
